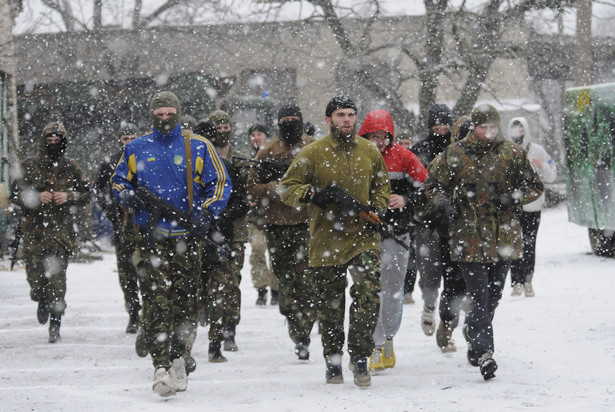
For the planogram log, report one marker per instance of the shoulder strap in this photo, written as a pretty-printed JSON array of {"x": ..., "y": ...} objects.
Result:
[{"x": 189, "y": 170}]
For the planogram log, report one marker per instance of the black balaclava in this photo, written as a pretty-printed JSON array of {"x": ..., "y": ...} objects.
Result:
[
  {"x": 54, "y": 150},
  {"x": 290, "y": 131},
  {"x": 165, "y": 99}
]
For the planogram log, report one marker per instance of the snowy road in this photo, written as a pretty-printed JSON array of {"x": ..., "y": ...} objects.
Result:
[{"x": 555, "y": 351}]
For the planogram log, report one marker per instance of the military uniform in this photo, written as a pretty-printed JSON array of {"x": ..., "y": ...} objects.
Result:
[
  {"x": 358, "y": 167},
  {"x": 123, "y": 237},
  {"x": 286, "y": 231},
  {"x": 484, "y": 182},
  {"x": 48, "y": 235}
]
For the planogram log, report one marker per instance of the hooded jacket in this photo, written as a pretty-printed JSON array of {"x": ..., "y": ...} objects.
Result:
[
  {"x": 539, "y": 158},
  {"x": 158, "y": 162},
  {"x": 406, "y": 171},
  {"x": 51, "y": 225}
]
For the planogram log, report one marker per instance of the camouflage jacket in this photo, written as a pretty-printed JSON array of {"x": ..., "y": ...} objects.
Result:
[
  {"x": 358, "y": 168},
  {"x": 468, "y": 175},
  {"x": 49, "y": 225}
]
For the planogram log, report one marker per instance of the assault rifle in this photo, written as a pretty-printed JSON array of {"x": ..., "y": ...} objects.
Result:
[
  {"x": 275, "y": 168},
  {"x": 349, "y": 206},
  {"x": 13, "y": 247},
  {"x": 158, "y": 209}
]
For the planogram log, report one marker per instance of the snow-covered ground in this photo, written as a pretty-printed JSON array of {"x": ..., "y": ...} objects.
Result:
[{"x": 555, "y": 351}]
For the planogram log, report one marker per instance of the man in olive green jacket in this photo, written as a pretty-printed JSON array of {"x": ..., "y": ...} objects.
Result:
[{"x": 355, "y": 165}]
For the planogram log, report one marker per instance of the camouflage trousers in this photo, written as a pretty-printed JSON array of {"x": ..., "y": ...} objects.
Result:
[
  {"x": 288, "y": 248},
  {"x": 222, "y": 296},
  {"x": 46, "y": 274},
  {"x": 168, "y": 274},
  {"x": 260, "y": 271},
  {"x": 331, "y": 285},
  {"x": 125, "y": 245}
]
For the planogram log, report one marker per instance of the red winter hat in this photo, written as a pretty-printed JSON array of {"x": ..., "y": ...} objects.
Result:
[{"x": 376, "y": 121}]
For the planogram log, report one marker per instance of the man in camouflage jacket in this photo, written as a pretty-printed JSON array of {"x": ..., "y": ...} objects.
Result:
[
  {"x": 479, "y": 184},
  {"x": 48, "y": 190}
]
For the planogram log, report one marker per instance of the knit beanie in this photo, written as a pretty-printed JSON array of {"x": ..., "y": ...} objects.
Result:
[
  {"x": 439, "y": 114},
  {"x": 339, "y": 102}
]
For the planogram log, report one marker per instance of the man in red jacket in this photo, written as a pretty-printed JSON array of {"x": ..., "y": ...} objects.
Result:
[{"x": 407, "y": 175}]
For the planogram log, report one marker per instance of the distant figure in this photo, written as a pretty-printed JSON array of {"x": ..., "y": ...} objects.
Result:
[
  {"x": 522, "y": 270},
  {"x": 50, "y": 189}
]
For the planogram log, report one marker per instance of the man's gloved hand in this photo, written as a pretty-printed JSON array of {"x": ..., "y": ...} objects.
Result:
[
  {"x": 320, "y": 197},
  {"x": 129, "y": 199},
  {"x": 504, "y": 201},
  {"x": 201, "y": 223}
]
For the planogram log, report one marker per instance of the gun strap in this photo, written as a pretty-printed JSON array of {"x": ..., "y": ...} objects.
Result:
[{"x": 189, "y": 170}]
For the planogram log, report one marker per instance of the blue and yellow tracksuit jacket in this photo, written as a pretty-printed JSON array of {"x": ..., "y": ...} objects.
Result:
[{"x": 158, "y": 162}]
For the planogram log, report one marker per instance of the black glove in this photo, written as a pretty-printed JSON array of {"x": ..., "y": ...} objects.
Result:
[
  {"x": 504, "y": 201},
  {"x": 129, "y": 200},
  {"x": 448, "y": 214},
  {"x": 319, "y": 197},
  {"x": 201, "y": 223}
]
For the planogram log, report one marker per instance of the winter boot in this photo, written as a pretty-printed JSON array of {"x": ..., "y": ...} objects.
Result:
[
  {"x": 388, "y": 354},
  {"x": 528, "y": 289},
  {"x": 444, "y": 337},
  {"x": 179, "y": 375},
  {"x": 472, "y": 355},
  {"x": 517, "y": 289},
  {"x": 375, "y": 361},
  {"x": 215, "y": 355},
  {"x": 358, "y": 367},
  {"x": 487, "y": 365},
  {"x": 334, "y": 373},
  {"x": 54, "y": 328},
  {"x": 190, "y": 362},
  {"x": 163, "y": 383},
  {"x": 141, "y": 346},
  {"x": 229, "y": 340},
  {"x": 302, "y": 351},
  {"x": 408, "y": 300},
  {"x": 262, "y": 297},
  {"x": 42, "y": 312},
  {"x": 428, "y": 321},
  {"x": 133, "y": 321},
  {"x": 275, "y": 297}
]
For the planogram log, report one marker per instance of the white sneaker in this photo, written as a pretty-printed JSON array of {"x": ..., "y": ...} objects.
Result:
[
  {"x": 529, "y": 290},
  {"x": 517, "y": 289},
  {"x": 163, "y": 384},
  {"x": 178, "y": 374},
  {"x": 428, "y": 321}
]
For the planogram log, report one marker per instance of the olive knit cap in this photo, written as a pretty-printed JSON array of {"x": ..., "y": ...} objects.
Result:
[
  {"x": 485, "y": 113},
  {"x": 220, "y": 117}
]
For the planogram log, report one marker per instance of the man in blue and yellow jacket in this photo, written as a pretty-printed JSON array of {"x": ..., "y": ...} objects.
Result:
[{"x": 169, "y": 267}]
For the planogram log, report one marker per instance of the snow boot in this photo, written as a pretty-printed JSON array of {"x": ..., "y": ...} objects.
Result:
[
  {"x": 528, "y": 289},
  {"x": 408, "y": 300},
  {"x": 428, "y": 321},
  {"x": 215, "y": 355},
  {"x": 517, "y": 289},
  {"x": 444, "y": 337},
  {"x": 229, "y": 340},
  {"x": 178, "y": 374},
  {"x": 141, "y": 346},
  {"x": 388, "y": 354},
  {"x": 302, "y": 351},
  {"x": 487, "y": 365},
  {"x": 163, "y": 383},
  {"x": 42, "y": 312},
  {"x": 262, "y": 297},
  {"x": 133, "y": 322},
  {"x": 275, "y": 297},
  {"x": 358, "y": 367},
  {"x": 54, "y": 328},
  {"x": 334, "y": 374},
  {"x": 375, "y": 361},
  {"x": 190, "y": 362}
]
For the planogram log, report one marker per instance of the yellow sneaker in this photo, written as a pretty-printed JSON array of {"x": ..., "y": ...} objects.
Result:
[
  {"x": 388, "y": 354},
  {"x": 375, "y": 361}
]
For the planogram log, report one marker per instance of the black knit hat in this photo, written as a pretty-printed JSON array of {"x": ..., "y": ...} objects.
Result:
[
  {"x": 258, "y": 128},
  {"x": 339, "y": 102},
  {"x": 206, "y": 129},
  {"x": 289, "y": 109},
  {"x": 439, "y": 114},
  {"x": 127, "y": 129}
]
